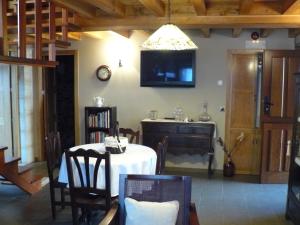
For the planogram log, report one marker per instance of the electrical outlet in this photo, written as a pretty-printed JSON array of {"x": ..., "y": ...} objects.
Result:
[{"x": 222, "y": 109}]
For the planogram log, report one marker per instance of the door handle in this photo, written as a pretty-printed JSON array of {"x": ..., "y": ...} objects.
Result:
[{"x": 267, "y": 105}]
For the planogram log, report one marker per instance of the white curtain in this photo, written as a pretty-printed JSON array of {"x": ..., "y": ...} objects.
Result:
[
  {"x": 17, "y": 124},
  {"x": 5, "y": 110},
  {"x": 26, "y": 114}
]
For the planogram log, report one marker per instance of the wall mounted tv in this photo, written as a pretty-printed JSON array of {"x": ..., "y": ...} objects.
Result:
[{"x": 168, "y": 68}]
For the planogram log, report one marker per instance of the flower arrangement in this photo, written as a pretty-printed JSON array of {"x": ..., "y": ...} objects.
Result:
[{"x": 229, "y": 167}]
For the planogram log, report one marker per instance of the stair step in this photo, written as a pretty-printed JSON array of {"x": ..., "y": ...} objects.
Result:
[
  {"x": 2, "y": 148},
  {"x": 24, "y": 169},
  {"x": 9, "y": 160},
  {"x": 6, "y": 182}
]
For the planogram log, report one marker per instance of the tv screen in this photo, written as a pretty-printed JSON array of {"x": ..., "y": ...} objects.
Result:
[{"x": 168, "y": 68}]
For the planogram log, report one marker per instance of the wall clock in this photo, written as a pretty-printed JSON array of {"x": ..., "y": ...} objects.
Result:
[{"x": 103, "y": 73}]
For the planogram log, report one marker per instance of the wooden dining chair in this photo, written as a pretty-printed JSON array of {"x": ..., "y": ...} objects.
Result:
[
  {"x": 83, "y": 180},
  {"x": 161, "y": 152},
  {"x": 53, "y": 157},
  {"x": 153, "y": 189},
  {"x": 131, "y": 134}
]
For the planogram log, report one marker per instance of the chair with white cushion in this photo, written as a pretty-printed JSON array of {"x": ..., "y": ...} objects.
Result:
[{"x": 153, "y": 199}]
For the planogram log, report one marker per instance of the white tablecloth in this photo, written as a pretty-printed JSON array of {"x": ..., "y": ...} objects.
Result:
[{"x": 137, "y": 159}]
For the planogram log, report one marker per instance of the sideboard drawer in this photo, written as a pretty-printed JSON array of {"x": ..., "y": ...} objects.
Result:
[
  {"x": 158, "y": 128},
  {"x": 191, "y": 138},
  {"x": 200, "y": 129}
]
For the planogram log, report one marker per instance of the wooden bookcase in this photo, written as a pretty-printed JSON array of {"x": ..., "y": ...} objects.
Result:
[{"x": 98, "y": 120}]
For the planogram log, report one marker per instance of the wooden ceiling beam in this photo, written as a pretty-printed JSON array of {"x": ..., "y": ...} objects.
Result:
[
  {"x": 194, "y": 22},
  {"x": 291, "y": 7},
  {"x": 155, "y": 6},
  {"x": 236, "y": 32},
  {"x": 82, "y": 9},
  {"x": 114, "y": 8},
  {"x": 199, "y": 6},
  {"x": 264, "y": 33},
  {"x": 245, "y": 6},
  {"x": 124, "y": 33}
]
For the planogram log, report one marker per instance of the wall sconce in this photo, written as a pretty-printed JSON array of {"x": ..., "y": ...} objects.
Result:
[
  {"x": 255, "y": 37},
  {"x": 120, "y": 63}
]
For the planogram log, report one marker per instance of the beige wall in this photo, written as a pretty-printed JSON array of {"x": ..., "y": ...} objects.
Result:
[{"x": 134, "y": 102}]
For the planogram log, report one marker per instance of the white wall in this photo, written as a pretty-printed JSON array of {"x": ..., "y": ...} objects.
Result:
[{"x": 134, "y": 102}]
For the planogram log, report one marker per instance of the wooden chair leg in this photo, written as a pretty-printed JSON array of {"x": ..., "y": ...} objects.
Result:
[
  {"x": 62, "y": 197},
  {"x": 52, "y": 199},
  {"x": 75, "y": 215}
]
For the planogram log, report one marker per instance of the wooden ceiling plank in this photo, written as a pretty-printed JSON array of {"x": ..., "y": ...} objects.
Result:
[
  {"x": 245, "y": 6},
  {"x": 3, "y": 28},
  {"x": 236, "y": 32},
  {"x": 194, "y": 22},
  {"x": 155, "y": 6},
  {"x": 21, "y": 28},
  {"x": 199, "y": 6},
  {"x": 206, "y": 32},
  {"x": 264, "y": 33},
  {"x": 290, "y": 7},
  {"x": 82, "y": 9},
  {"x": 38, "y": 29},
  {"x": 114, "y": 8}
]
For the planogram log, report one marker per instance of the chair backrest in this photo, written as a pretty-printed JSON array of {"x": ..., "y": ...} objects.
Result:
[
  {"x": 161, "y": 152},
  {"x": 53, "y": 153},
  {"x": 156, "y": 188},
  {"x": 131, "y": 134},
  {"x": 84, "y": 178}
]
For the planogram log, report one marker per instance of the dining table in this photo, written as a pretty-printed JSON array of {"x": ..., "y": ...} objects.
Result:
[{"x": 137, "y": 159}]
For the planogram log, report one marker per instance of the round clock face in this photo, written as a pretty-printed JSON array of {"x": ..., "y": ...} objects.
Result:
[{"x": 103, "y": 73}]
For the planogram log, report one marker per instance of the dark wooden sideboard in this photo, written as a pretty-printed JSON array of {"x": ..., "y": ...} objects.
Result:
[{"x": 184, "y": 137}]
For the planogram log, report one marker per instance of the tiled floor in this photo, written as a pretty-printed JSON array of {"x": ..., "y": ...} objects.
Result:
[
  {"x": 239, "y": 201},
  {"x": 219, "y": 201}
]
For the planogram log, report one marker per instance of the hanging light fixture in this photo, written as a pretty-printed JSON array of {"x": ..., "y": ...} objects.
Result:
[{"x": 169, "y": 37}]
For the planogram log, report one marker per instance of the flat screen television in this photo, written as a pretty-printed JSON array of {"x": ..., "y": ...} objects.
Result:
[{"x": 168, "y": 68}]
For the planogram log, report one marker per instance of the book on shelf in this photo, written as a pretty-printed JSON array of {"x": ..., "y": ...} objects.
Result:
[
  {"x": 97, "y": 137},
  {"x": 100, "y": 119}
]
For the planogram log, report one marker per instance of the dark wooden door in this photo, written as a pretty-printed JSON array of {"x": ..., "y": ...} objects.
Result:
[{"x": 277, "y": 113}]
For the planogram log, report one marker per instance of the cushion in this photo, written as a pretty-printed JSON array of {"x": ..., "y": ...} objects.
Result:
[{"x": 151, "y": 213}]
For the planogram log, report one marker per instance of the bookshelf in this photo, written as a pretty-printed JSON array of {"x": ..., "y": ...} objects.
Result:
[{"x": 98, "y": 120}]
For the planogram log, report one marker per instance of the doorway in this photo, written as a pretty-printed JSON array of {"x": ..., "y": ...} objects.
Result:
[{"x": 61, "y": 101}]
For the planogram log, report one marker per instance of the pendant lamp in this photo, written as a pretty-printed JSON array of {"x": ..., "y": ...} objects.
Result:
[{"x": 169, "y": 37}]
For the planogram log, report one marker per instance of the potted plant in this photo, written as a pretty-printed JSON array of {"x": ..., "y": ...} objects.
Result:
[{"x": 229, "y": 167}]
